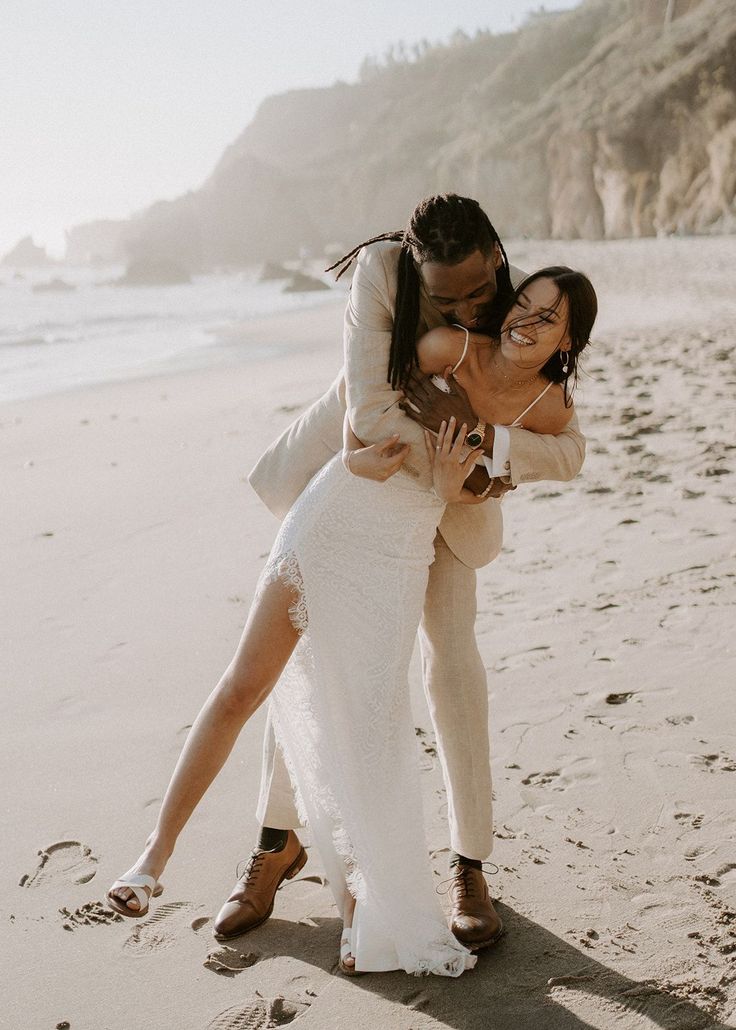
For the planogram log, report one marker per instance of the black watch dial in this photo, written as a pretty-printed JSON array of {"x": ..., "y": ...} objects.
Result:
[{"x": 474, "y": 439}]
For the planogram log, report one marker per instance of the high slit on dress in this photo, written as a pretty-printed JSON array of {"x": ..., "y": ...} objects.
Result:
[{"x": 356, "y": 555}]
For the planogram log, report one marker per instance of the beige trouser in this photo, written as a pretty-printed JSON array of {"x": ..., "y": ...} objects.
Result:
[{"x": 457, "y": 695}]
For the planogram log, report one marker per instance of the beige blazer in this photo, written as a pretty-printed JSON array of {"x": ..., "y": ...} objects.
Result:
[{"x": 473, "y": 532}]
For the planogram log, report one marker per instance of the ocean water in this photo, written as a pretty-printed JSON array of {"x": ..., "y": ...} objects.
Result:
[{"x": 97, "y": 332}]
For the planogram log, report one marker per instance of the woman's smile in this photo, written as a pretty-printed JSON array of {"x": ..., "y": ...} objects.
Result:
[{"x": 519, "y": 339}]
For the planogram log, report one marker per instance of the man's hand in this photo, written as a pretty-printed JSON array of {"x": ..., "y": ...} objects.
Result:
[
  {"x": 479, "y": 479},
  {"x": 428, "y": 405}
]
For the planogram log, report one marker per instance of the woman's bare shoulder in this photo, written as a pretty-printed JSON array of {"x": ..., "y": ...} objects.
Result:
[
  {"x": 550, "y": 414},
  {"x": 439, "y": 348}
]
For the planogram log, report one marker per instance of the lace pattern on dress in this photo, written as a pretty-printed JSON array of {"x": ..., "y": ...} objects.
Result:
[
  {"x": 285, "y": 567},
  {"x": 355, "y": 556}
]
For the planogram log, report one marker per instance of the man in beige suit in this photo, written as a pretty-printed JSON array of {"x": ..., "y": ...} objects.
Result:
[{"x": 448, "y": 266}]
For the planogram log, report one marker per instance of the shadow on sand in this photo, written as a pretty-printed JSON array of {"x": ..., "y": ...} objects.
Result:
[{"x": 531, "y": 980}]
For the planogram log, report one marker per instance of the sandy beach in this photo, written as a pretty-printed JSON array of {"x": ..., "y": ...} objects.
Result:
[{"x": 131, "y": 544}]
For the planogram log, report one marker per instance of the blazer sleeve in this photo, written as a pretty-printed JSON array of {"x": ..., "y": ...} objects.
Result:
[
  {"x": 372, "y": 405},
  {"x": 535, "y": 456}
]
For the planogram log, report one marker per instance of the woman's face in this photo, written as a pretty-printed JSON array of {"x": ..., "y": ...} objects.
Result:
[{"x": 536, "y": 326}]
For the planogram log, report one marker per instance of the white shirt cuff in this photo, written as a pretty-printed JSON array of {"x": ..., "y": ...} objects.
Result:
[{"x": 499, "y": 466}]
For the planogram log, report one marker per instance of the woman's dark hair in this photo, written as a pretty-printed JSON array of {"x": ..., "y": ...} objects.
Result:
[
  {"x": 582, "y": 307},
  {"x": 444, "y": 228}
]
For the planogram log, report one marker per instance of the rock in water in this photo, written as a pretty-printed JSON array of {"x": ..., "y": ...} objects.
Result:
[
  {"x": 272, "y": 271},
  {"x": 301, "y": 283},
  {"x": 54, "y": 286},
  {"x": 154, "y": 272},
  {"x": 25, "y": 254}
]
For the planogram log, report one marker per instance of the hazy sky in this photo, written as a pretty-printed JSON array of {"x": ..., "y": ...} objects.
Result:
[{"x": 107, "y": 105}]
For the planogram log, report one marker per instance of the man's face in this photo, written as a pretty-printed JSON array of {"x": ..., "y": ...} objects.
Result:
[{"x": 464, "y": 292}]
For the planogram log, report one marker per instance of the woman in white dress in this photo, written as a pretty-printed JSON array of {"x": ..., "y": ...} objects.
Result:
[{"x": 330, "y": 634}]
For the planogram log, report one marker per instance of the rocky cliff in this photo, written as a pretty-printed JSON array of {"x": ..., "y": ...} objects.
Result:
[
  {"x": 615, "y": 119},
  {"x": 101, "y": 242},
  {"x": 26, "y": 254}
]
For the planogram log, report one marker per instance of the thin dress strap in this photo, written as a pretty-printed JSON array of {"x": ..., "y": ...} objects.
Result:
[
  {"x": 465, "y": 348},
  {"x": 526, "y": 410}
]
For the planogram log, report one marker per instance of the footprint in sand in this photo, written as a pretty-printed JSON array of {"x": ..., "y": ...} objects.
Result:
[
  {"x": 680, "y": 720},
  {"x": 163, "y": 928},
  {"x": 428, "y": 746},
  {"x": 697, "y": 853},
  {"x": 718, "y": 938},
  {"x": 541, "y": 779},
  {"x": 259, "y": 1014},
  {"x": 671, "y": 915},
  {"x": 695, "y": 821},
  {"x": 619, "y": 699},
  {"x": 602, "y": 1000},
  {"x": 66, "y": 861},
  {"x": 228, "y": 961},
  {"x": 527, "y": 659},
  {"x": 714, "y": 763},
  {"x": 564, "y": 778},
  {"x": 93, "y": 913}
]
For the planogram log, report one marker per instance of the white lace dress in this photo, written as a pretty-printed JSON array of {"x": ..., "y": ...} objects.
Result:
[{"x": 357, "y": 554}]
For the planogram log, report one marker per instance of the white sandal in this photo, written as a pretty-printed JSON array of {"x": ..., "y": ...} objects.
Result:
[
  {"x": 137, "y": 882},
  {"x": 346, "y": 948}
]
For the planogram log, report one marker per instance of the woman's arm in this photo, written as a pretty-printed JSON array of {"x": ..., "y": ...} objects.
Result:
[{"x": 378, "y": 462}]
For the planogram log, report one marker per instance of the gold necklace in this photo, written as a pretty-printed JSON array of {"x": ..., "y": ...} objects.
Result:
[{"x": 509, "y": 380}]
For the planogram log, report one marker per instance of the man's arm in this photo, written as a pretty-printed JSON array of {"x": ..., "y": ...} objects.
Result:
[
  {"x": 372, "y": 405},
  {"x": 535, "y": 456},
  {"x": 517, "y": 455}
]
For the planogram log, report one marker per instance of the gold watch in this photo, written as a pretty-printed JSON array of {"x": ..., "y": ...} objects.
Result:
[{"x": 476, "y": 436}]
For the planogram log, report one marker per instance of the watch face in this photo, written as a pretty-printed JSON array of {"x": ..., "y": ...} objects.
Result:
[{"x": 474, "y": 439}]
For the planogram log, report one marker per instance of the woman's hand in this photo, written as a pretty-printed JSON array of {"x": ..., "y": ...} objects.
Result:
[
  {"x": 450, "y": 466},
  {"x": 379, "y": 462}
]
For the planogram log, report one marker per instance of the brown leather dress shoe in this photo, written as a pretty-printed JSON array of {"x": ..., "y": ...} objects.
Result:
[
  {"x": 474, "y": 921},
  {"x": 252, "y": 898}
]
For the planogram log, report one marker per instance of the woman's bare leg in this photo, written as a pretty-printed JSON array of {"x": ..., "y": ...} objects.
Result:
[{"x": 264, "y": 649}]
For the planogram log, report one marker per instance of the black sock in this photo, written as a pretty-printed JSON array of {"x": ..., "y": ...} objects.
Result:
[
  {"x": 272, "y": 840},
  {"x": 455, "y": 859}
]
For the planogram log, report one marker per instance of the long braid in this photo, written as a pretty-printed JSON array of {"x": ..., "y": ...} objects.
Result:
[
  {"x": 444, "y": 228},
  {"x": 347, "y": 259},
  {"x": 406, "y": 319}
]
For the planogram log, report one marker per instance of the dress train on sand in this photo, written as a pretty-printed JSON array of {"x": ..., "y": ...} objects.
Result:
[{"x": 356, "y": 555}]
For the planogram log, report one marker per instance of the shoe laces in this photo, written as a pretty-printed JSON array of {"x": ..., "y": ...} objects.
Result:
[
  {"x": 253, "y": 864},
  {"x": 461, "y": 882}
]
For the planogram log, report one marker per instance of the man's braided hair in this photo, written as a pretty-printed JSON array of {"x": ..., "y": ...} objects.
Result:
[{"x": 446, "y": 229}]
